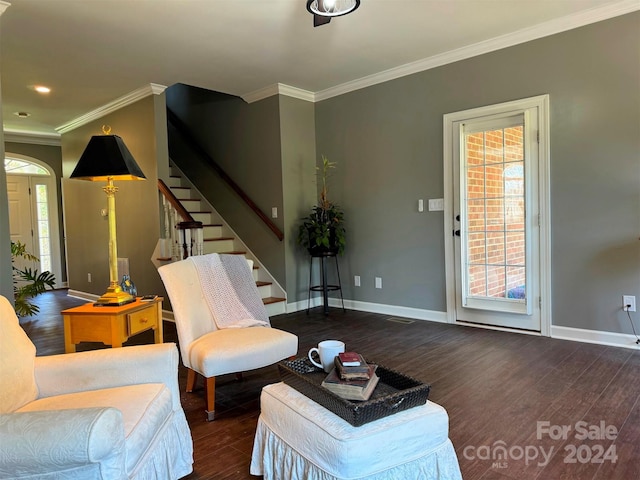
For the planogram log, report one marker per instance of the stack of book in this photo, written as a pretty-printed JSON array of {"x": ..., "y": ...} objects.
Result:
[{"x": 352, "y": 378}]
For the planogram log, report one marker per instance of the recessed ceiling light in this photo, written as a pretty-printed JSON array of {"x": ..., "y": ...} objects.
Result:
[
  {"x": 22, "y": 114},
  {"x": 42, "y": 89}
]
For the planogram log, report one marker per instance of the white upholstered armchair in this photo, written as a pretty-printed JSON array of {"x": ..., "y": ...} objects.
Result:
[
  {"x": 104, "y": 414},
  {"x": 221, "y": 321}
]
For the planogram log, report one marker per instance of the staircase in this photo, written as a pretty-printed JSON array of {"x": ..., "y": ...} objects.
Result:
[{"x": 218, "y": 237}]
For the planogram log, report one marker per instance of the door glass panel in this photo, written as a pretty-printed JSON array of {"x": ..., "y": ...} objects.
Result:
[
  {"x": 494, "y": 206},
  {"x": 42, "y": 211}
]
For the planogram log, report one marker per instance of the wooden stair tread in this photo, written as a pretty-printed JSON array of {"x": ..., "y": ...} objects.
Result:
[
  {"x": 217, "y": 239},
  {"x": 200, "y": 211},
  {"x": 211, "y": 224},
  {"x": 263, "y": 284},
  {"x": 270, "y": 300},
  {"x": 236, "y": 252}
]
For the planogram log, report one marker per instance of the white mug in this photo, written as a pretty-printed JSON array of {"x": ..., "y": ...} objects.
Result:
[{"x": 327, "y": 350}]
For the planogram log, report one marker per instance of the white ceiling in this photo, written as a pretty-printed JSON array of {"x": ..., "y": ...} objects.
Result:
[{"x": 91, "y": 52}]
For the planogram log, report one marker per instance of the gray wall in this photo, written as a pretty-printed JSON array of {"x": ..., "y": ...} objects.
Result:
[
  {"x": 137, "y": 204},
  {"x": 297, "y": 136},
  {"x": 388, "y": 142},
  {"x": 52, "y": 156},
  {"x": 245, "y": 141},
  {"x": 6, "y": 278}
]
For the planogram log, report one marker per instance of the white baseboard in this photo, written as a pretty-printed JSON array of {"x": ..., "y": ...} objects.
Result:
[
  {"x": 394, "y": 310},
  {"x": 594, "y": 336},
  {"x": 82, "y": 295}
]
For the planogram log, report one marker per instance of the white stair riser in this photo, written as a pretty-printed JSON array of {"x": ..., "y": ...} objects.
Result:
[
  {"x": 180, "y": 192},
  {"x": 202, "y": 217},
  {"x": 191, "y": 205},
  {"x": 212, "y": 231},
  {"x": 277, "y": 308},
  {"x": 174, "y": 182},
  {"x": 265, "y": 291},
  {"x": 218, "y": 246}
]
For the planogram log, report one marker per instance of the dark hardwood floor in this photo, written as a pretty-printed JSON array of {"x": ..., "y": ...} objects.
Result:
[{"x": 500, "y": 389}]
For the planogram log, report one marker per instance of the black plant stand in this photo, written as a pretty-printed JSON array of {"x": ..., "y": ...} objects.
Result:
[{"x": 324, "y": 288}]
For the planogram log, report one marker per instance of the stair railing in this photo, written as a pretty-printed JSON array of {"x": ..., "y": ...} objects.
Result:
[
  {"x": 181, "y": 231},
  {"x": 189, "y": 138}
]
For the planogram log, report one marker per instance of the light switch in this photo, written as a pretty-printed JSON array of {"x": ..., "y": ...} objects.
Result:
[
  {"x": 436, "y": 204},
  {"x": 274, "y": 212},
  {"x": 421, "y": 205}
]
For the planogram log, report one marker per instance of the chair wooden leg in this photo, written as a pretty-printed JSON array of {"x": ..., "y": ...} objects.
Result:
[
  {"x": 191, "y": 380},
  {"x": 210, "y": 385}
]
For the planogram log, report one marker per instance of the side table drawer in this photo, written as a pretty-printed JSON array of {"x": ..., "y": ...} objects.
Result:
[{"x": 142, "y": 320}]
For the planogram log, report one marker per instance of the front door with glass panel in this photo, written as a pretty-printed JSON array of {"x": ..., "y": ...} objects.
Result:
[
  {"x": 495, "y": 229},
  {"x": 32, "y": 214}
]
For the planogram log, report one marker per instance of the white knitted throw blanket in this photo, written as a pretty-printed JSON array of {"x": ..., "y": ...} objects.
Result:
[{"x": 230, "y": 291}]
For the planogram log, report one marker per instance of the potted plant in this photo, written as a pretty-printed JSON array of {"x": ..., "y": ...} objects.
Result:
[
  {"x": 322, "y": 231},
  {"x": 27, "y": 283}
]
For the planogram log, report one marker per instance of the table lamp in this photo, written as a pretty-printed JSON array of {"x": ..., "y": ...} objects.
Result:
[{"x": 107, "y": 158}]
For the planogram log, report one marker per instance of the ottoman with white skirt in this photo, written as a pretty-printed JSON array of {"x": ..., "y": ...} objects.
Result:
[{"x": 297, "y": 438}]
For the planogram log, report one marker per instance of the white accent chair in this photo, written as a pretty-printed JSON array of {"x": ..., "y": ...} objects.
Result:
[
  {"x": 208, "y": 350},
  {"x": 105, "y": 414}
]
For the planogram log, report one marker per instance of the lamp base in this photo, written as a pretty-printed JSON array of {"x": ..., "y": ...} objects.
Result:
[{"x": 114, "y": 297}]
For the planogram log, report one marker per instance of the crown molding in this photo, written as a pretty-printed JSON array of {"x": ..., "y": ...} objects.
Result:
[
  {"x": 117, "y": 104},
  {"x": 295, "y": 92},
  {"x": 3, "y": 6},
  {"x": 541, "y": 30},
  {"x": 34, "y": 138},
  {"x": 279, "y": 89}
]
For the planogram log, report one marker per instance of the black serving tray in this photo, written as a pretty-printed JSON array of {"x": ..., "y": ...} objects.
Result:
[{"x": 394, "y": 393}]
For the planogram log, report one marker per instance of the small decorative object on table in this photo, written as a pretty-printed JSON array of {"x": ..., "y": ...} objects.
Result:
[
  {"x": 351, "y": 359},
  {"x": 148, "y": 298},
  {"x": 394, "y": 392},
  {"x": 128, "y": 286},
  {"x": 357, "y": 371},
  {"x": 352, "y": 389}
]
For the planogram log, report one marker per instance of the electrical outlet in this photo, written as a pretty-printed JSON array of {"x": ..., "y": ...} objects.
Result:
[
  {"x": 629, "y": 300},
  {"x": 378, "y": 282},
  {"x": 356, "y": 280}
]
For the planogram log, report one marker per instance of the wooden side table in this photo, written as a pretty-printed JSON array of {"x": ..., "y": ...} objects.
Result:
[{"x": 111, "y": 325}]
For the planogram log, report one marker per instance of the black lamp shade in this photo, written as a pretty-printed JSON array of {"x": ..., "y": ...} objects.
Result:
[{"x": 107, "y": 156}]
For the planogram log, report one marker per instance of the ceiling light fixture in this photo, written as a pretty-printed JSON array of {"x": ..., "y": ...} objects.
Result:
[
  {"x": 323, "y": 10},
  {"x": 22, "y": 114},
  {"x": 42, "y": 89}
]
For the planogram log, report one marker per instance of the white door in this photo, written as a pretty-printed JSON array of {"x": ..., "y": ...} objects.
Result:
[
  {"x": 20, "y": 222},
  {"x": 495, "y": 208}
]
